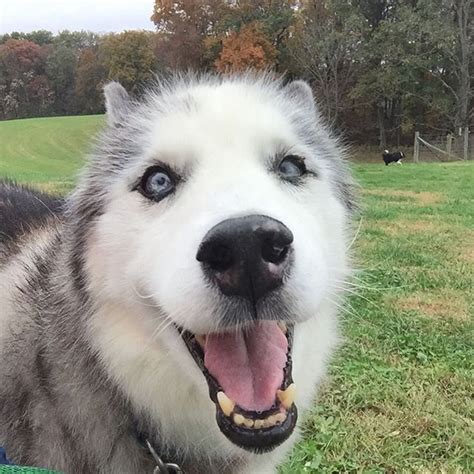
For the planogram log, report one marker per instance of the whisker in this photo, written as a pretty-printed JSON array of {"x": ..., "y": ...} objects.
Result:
[{"x": 356, "y": 235}]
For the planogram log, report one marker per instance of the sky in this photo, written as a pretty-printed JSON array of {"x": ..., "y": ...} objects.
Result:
[{"x": 100, "y": 16}]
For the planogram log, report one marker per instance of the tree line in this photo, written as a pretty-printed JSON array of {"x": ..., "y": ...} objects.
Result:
[{"x": 379, "y": 68}]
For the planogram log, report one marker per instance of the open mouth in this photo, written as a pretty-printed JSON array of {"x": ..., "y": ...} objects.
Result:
[{"x": 248, "y": 372}]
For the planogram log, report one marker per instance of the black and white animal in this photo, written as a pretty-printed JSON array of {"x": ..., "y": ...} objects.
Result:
[
  {"x": 185, "y": 293},
  {"x": 395, "y": 157}
]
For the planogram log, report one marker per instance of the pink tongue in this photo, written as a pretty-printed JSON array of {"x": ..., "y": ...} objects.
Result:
[{"x": 248, "y": 364}]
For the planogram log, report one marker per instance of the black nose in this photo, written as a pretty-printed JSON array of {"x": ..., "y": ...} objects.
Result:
[{"x": 247, "y": 256}]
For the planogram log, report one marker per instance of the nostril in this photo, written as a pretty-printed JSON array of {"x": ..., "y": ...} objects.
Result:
[
  {"x": 274, "y": 253},
  {"x": 217, "y": 256}
]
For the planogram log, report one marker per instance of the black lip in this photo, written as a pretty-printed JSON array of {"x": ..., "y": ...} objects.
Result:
[
  {"x": 261, "y": 440},
  {"x": 250, "y": 439}
]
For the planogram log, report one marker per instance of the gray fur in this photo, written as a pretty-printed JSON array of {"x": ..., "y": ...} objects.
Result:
[
  {"x": 58, "y": 406},
  {"x": 117, "y": 103}
]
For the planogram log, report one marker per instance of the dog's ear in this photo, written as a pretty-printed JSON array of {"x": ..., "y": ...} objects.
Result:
[
  {"x": 301, "y": 92},
  {"x": 117, "y": 103}
]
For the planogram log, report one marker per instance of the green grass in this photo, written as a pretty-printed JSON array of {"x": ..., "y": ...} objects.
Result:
[
  {"x": 46, "y": 150},
  {"x": 399, "y": 394}
]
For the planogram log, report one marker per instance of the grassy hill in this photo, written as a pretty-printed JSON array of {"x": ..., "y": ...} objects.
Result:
[
  {"x": 46, "y": 150},
  {"x": 399, "y": 393}
]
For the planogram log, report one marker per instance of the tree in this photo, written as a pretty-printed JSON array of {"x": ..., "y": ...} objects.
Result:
[
  {"x": 40, "y": 37},
  {"x": 24, "y": 89},
  {"x": 247, "y": 48},
  {"x": 274, "y": 16},
  {"x": 184, "y": 28},
  {"x": 128, "y": 58},
  {"x": 89, "y": 78},
  {"x": 418, "y": 67},
  {"x": 60, "y": 67},
  {"x": 463, "y": 61},
  {"x": 77, "y": 40},
  {"x": 326, "y": 50}
]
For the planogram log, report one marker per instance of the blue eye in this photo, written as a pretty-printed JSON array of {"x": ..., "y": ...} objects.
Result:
[
  {"x": 157, "y": 183},
  {"x": 292, "y": 167}
]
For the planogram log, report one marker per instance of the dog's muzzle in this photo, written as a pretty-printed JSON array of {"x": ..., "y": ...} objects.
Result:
[{"x": 247, "y": 256}]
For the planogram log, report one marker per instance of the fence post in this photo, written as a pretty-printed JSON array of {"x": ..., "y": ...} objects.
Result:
[
  {"x": 466, "y": 143},
  {"x": 416, "y": 148},
  {"x": 449, "y": 144}
]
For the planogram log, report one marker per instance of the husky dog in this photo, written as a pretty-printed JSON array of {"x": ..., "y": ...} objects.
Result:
[{"x": 185, "y": 294}]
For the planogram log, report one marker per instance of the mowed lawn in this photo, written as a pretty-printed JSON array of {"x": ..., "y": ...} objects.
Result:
[
  {"x": 399, "y": 396},
  {"x": 46, "y": 150}
]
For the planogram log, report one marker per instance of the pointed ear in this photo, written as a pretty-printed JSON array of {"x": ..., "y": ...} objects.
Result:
[
  {"x": 301, "y": 92},
  {"x": 117, "y": 103}
]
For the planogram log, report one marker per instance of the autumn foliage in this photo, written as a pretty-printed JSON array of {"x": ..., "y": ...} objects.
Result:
[
  {"x": 24, "y": 87},
  {"x": 379, "y": 69},
  {"x": 246, "y": 48}
]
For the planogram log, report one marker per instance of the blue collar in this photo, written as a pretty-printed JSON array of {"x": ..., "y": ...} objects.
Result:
[{"x": 3, "y": 457}]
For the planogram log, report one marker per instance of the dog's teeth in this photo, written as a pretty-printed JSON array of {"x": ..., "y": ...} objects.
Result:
[
  {"x": 270, "y": 421},
  {"x": 200, "y": 339},
  {"x": 287, "y": 397},
  {"x": 258, "y": 424},
  {"x": 280, "y": 418},
  {"x": 239, "y": 419},
  {"x": 226, "y": 404},
  {"x": 248, "y": 422},
  {"x": 282, "y": 326}
]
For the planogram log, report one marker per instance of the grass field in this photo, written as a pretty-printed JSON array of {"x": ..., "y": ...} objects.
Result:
[
  {"x": 399, "y": 397},
  {"x": 46, "y": 150}
]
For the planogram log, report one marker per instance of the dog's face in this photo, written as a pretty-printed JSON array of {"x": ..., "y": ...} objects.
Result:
[{"x": 223, "y": 223}]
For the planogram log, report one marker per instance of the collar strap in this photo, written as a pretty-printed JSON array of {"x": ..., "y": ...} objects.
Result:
[{"x": 161, "y": 466}]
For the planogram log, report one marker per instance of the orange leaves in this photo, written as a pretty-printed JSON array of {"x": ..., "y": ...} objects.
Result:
[{"x": 247, "y": 48}]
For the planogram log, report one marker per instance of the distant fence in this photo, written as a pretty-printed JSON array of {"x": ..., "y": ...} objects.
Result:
[{"x": 450, "y": 147}]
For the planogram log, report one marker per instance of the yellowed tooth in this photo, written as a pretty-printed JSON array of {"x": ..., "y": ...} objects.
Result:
[
  {"x": 226, "y": 404},
  {"x": 258, "y": 424},
  {"x": 269, "y": 421},
  {"x": 280, "y": 418},
  {"x": 200, "y": 339},
  {"x": 239, "y": 419},
  {"x": 248, "y": 422},
  {"x": 287, "y": 397},
  {"x": 282, "y": 326}
]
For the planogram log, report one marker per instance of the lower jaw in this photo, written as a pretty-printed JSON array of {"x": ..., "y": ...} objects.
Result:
[{"x": 258, "y": 440}]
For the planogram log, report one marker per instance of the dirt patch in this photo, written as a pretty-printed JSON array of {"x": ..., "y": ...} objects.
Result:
[
  {"x": 444, "y": 304},
  {"x": 422, "y": 198},
  {"x": 410, "y": 226},
  {"x": 466, "y": 247},
  {"x": 468, "y": 254}
]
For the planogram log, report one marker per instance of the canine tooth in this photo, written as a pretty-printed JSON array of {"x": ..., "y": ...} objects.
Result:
[
  {"x": 239, "y": 419},
  {"x": 287, "y": 397},
  {"x": 226, "y": 404},
  {"x": 282, "y": 326},
  {"x": 280, "y": 417},
  {"x": 248, "y": 422},
  {"x": 258, "y": 424},
  {"x": 200, "y": 339}
]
